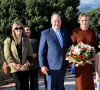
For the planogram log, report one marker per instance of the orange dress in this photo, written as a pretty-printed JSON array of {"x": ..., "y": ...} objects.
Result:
[{"x": 84, "y": 74}]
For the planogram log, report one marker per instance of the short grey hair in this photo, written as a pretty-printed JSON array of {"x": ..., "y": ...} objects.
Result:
[{"x": 55, "y": 14}]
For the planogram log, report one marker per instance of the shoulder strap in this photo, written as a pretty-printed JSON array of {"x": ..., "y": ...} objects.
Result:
[{"x": 10, "y": 42}]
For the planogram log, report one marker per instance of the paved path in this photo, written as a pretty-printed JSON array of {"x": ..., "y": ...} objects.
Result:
[{"x": 69, "y": 84}]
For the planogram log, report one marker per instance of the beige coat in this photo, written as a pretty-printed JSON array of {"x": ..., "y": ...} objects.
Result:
[{"x": 11, "y": 54}]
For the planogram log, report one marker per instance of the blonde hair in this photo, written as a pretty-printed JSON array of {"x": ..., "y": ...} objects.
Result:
[
  {"x": 81, "y": 15},
  {"x": 13, "y": 30}
]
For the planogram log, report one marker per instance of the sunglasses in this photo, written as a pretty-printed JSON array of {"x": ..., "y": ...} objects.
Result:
[{"x": 19, "y": 28}]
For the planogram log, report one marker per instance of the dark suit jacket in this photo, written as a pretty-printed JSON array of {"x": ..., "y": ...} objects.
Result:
[
  {"x": 50, "y": 52},
  {"x": 35, "y": 47}
]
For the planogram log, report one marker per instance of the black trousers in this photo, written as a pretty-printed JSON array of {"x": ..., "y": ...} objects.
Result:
[
  {"x": 21, "y": 80},
  {"x": 33, "y": 77}
]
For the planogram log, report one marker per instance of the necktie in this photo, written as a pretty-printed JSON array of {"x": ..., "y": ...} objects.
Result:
[{"x": 59, "y": 36}]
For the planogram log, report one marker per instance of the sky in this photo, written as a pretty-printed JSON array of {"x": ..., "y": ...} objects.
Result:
[{"x": 92, "y": 3}]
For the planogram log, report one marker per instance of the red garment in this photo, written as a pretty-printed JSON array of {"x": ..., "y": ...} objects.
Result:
[
  {"x": 84, "y": 74},
  {"x": 40, "y": 72}
]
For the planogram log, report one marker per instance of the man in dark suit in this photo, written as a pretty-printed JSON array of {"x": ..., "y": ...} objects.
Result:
[{"x": 52, "y": 49}]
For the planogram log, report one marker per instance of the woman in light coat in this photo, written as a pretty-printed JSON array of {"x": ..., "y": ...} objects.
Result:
[{"x": 17, "y": 52}]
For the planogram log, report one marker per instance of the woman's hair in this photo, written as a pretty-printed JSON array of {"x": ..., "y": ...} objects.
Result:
[
  {"x": 81, "y": 15},
  {"x": 13, "y": 30}
]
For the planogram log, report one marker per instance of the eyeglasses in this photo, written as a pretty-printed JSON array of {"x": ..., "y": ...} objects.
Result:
[{"x": 19, "y": 28}]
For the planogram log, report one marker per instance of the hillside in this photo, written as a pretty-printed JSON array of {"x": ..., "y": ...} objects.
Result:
[{"x": 85, "y": 9}]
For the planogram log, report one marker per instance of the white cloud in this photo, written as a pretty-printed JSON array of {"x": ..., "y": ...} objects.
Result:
[{"x": 89, "y": 1}]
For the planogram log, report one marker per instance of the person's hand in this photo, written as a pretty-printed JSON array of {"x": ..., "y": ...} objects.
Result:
[
  {"x": 45, "y": 70},
  {"x": 98, "y": 77},
  {"x": 17, "y": 66},
  {"x": 34, "y": 55},
  {"x": 6, "y": 68},
  {"x": 81, "y": 63},
  {"x": 25, "y": 66}
]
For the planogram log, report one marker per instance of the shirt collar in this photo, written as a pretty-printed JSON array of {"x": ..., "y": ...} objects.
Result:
[{"x": 56, "y": 30}]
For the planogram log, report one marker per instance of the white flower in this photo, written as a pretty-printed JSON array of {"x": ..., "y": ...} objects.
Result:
[{"x": 77, "y": 51}]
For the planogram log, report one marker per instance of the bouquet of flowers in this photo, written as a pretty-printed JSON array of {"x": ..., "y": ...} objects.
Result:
[{"x": 81, "y": 52}]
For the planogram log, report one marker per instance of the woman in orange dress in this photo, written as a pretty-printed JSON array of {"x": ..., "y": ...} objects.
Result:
[{"x": 84, "y": 72}]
